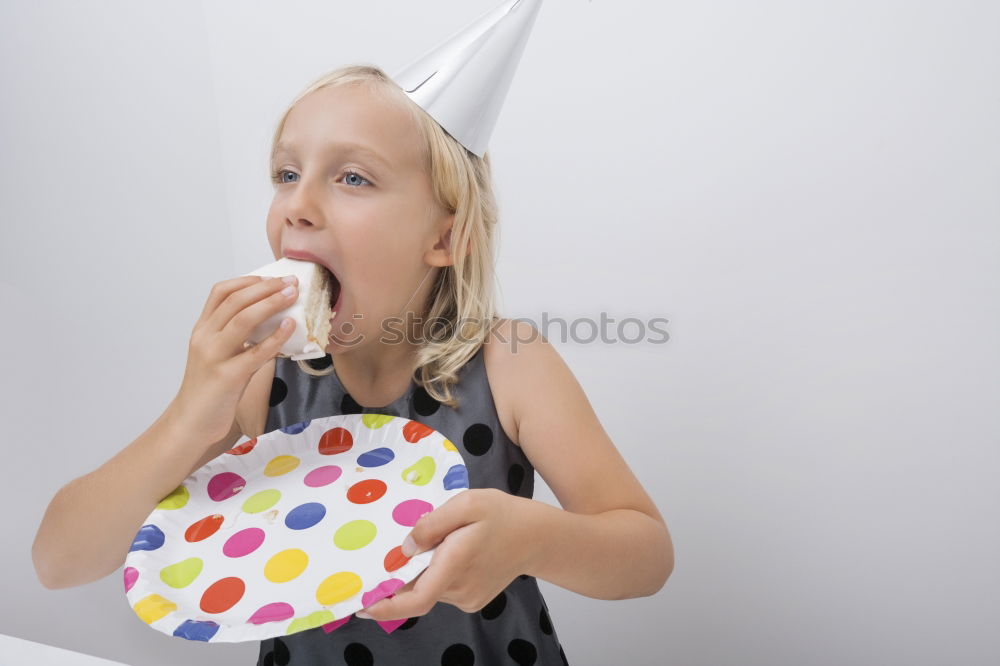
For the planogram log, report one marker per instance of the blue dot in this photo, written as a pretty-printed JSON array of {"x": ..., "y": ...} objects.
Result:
[
  {"x": 376, "y": 457},
  {"x": 149, "y": 537},
  {"x": 196, "y": 630},
  {"x": 457, "y": 477},
  {"x": 305, "y": 515},
  {"x": 296, "y": 428}
]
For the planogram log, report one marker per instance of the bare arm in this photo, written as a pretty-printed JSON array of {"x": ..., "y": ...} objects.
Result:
[
  {"x": 89, "y": 525},
  {"x": 609, "y": 540},
  {"x": 91, "y": 522},
  {"x": 617, "y": 554}
]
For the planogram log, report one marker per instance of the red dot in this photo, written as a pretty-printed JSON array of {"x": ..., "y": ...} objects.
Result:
[
  {"x": 395, "y": 559},
  {"x": 222, "y": 595},
  {"x": 245, "y": 447},
  {"x": 414, "y": 431},
  {"x": 204, "y": 528},
  {"x": 364, "y": 492},
  {"x": 335, "y": 440}
]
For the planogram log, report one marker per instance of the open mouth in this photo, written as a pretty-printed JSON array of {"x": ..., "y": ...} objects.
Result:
[{"x": 331, "y": 285}]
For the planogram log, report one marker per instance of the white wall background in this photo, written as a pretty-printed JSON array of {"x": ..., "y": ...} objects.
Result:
[{"x": 808, "y": 191}]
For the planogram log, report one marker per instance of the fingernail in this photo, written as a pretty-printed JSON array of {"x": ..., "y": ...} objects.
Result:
[
  {"x": 288, "y": 279},
  {"x": 363, "y": 615},
  {"x": 409, "y": 546}
]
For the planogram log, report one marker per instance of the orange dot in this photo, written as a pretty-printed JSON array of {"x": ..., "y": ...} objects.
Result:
[
  {"x": 414, "y": 431},
  {"x": 395, "y": 559},
  {"x": 204, "y": 528},
  {"x": 222, "y": 595},
  {"x": 335, "y": 440},
  {"x": 366, "y": 491}
]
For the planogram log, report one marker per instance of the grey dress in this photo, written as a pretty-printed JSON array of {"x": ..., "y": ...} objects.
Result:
[{"x": 514, "y": 628}]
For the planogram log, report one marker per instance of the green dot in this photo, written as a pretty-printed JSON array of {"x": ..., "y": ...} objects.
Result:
[
  {"x": 310, "y": 621},
  {"x": 375, "y": 421},
  {"x": 182, "y": 573},
  {"x": 175, "y": 500},
  {"x": 355, "y": 534},
  {"x": 421, "y": 472},
  {"x": 261, "y": 501}
]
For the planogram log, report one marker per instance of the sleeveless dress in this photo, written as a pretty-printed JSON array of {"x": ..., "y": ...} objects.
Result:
[{"x": 515, "y": 627}]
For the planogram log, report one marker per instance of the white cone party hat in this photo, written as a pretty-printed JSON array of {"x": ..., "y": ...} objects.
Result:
[{"x": 463, "y": 82}]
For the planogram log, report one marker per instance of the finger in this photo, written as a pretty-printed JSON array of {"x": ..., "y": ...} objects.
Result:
[
  {"x": 221, "y": 290},
  {"x": 255, "y": 356},
  {"x": 246, "y": 309},
  {"x": 425, "y": 591},
  {"x": 431, "y": 528}
]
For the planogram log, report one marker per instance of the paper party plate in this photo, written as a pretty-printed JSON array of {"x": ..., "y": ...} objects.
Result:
[{"x": 295, "y": 529}]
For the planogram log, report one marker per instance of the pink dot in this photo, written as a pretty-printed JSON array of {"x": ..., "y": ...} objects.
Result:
[
  {"x": 224, "y": 485},
  {"x": 330, "y": 626},
  {"x": 408, "y": 512},
  {"x": 322, "y": 476},
  {"x": 131, "y": 575},
  {"x": 275, "y": 612},
  {"x": 243, "y": 542},
  {"x": 386, "y": 588}
]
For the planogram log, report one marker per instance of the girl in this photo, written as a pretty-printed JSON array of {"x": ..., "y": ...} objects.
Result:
[{"x": 369, "y": 185}]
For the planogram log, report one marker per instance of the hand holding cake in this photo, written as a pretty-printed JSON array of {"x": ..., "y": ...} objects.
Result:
[{"x": 319, "y": 290}]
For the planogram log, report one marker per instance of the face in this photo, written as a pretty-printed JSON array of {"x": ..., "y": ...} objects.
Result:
[{"x": 351, "y": 189}]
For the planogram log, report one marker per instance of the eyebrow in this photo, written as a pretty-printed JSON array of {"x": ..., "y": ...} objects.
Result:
[{"x": 346, "y": 147}]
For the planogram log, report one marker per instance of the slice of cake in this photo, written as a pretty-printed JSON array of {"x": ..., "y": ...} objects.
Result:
[{"x": 312, "y": 311}]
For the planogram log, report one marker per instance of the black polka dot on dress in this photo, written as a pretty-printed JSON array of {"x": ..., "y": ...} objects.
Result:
[
  {"x": 356, "y": 654},
  {"x": 478, "y": 439},
  {"x": 458, "y": 654},
  {"x": 423, "y": 403},
  {"x": 522, "y": 652},
  {"x": 492, "y": 610},
  {"x": 279, "y": 390},
  {"x": 321, "y": 363},
  {"x": 349, "y": 406},
  {"x": 515, "y": 477}
]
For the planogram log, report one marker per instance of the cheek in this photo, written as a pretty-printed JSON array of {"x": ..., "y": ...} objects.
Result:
[{"x": 273, "y": 231}]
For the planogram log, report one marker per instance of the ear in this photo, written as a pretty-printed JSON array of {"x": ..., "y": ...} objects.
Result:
[{"x": 440, "y": 254}]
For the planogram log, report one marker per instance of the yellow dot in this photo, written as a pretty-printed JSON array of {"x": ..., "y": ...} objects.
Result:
[
  {"x": 281, "y": 465},
  {"x": 448, "y": 446},
  {"x": 337, "y": 587},
  {"x": 153, "y": 607},
  {"x": 286, "y": 565}
]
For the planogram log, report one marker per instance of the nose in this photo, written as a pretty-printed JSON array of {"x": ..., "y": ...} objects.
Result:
[{"x": 302, "y": 206}]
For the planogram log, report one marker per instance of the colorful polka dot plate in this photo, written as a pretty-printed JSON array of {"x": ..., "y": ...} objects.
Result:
[{"x": 295, "y": 529}]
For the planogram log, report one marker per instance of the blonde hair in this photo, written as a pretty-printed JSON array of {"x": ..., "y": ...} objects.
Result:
[{"x": 463, "y": 292}]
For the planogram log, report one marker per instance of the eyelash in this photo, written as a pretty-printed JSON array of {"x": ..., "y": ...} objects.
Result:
[{"x": 276, "y": 176}]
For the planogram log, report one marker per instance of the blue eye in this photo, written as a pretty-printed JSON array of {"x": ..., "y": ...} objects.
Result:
[
  {"x": 277, "y": 177},
  {"x": 348, "y": 174}
]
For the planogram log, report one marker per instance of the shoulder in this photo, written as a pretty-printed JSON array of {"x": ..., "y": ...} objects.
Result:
[
  {"x": 516, "y": 355},
  {"x": 557, "y": 427}
]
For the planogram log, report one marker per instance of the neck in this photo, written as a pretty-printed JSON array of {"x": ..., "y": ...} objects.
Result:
[{"x": 378, "y": 372}]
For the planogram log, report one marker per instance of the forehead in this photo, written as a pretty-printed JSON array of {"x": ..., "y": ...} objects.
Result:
[{"x": 351, "y": 117}]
